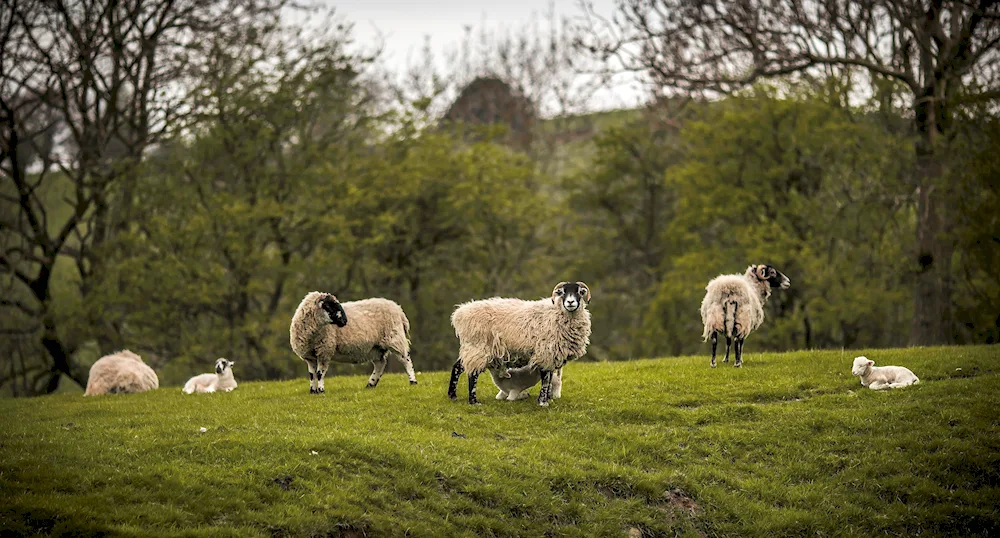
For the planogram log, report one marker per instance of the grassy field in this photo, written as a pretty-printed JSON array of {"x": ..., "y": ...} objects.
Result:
[{"x": 789, "y": 445}]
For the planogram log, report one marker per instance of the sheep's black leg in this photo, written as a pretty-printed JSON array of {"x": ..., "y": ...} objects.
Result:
[
  {"x": 408, "y": 364},
  {"x": 472, "y": 377},
  {"x": 320, "y": 372},
  {"x": 715, "y": 344},
  {"x": 546, "y": 391},
  {"x": 729, "y": 342},
  {"x": 736, "y": 336},
  {"x": 456, "y": 371},
  {"x": 379, "y": 369},
  {"x": 739, "y": 353},
  {"x": 312, "y": 377}
]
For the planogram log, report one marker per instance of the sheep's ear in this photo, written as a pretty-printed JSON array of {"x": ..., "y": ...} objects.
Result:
[
  {"x": 586, "y": 291},
  {"x": 871, "y": 363}
]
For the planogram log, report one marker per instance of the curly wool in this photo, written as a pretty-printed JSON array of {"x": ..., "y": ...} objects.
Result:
[
  {"x": 746, "y": 292},
  {"x": 372, "y": 322},
  {"x": 492, "y": 331},
  {"x": 120, "y": 372}
]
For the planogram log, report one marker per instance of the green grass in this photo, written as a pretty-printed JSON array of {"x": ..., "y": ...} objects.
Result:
[{"x": 789, "y": 445}]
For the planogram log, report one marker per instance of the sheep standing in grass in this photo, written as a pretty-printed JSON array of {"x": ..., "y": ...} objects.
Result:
[
  {"x": 515, "y": 382},
  {"x": 324, "y": 329},
  {"x": 222, "y": 379},
  {"x": 120, "y": 372},
  {"x": 882, "y": 377},
  {"x": 492, "y": 332},
  {"x": 734, "y": 306}
]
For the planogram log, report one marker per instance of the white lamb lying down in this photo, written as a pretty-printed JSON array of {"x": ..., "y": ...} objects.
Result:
[
  {"x": 882, "y": 377},
  {"x": 515, "y": 382},
  {"x": 222, "y": 379}
]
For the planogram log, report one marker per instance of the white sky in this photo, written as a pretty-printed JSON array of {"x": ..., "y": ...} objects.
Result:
[{"x": 403, "y": 27}]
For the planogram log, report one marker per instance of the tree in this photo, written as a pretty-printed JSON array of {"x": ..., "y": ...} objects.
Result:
[
  {"x": 106, "y": 76},
  {"x": 945, "y": 54},
  {"x": 489, "y": 100}
]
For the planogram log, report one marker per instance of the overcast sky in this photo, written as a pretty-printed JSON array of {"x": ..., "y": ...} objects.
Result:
[{"x": 404, "y": 25}]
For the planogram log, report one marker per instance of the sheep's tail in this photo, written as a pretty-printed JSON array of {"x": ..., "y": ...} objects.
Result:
[
  {"x": 406, "y": 326},
  {"x": 729, "y": 320}
]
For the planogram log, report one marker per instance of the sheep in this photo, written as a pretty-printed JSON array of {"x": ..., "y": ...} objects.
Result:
[
  {"x": 515, "y": 382},
  {"x": 493, "y": 332},
  {"x": 119, "y": 373},
  {"x": 324, "y": 329},
  {"x": 734, "y": 306},
  {"x": 222, "y": 379},
  {"x": 882, "y": 377}
]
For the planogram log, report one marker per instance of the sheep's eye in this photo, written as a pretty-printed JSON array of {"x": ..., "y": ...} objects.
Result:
[{"x": 559, "y": 292}]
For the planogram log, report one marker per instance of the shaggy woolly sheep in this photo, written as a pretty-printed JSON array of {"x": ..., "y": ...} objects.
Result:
[
  {"x": 734, "y": 306},
  {"x": 222, "y": 379},
  {"x": 882, "y": 377},
  {"x": 515, "y": 382},
  {"x": 324, "y": 329},
  {"x": 493, "y": 332},
  {"x": 120, "y": 372}
]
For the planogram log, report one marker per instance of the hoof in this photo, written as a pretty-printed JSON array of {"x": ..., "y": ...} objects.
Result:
[
  {"x": 320, "y": 391},
  {"x": 413, "y": 382},
  {"x": 738, "y": 365},
  {"x": 370, "y": 386},
  {"x": 543, "y": 404},
  {"x": 453, "y": 397},
  {"x": 313, "y": 391},
  {"x": 713, "y": 365}
]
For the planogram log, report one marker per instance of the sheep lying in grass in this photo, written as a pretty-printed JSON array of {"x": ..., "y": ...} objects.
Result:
[
  {"x": 734, "y": 306},
  {"x": 552, "y": 331},
  {"x": 882, "y": 377},
  {"x": 222, "y": 379},
  {"x": 119, "y": 373},
  {"x": 515, "y": 382},
  {"x": 324, "y": 329}
]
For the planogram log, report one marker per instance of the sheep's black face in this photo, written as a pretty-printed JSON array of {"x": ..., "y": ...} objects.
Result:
[
  {"x": 221, "y": 365},
  {"x": 773, "y": 276},
  {"x": 334, "y": 311},
  {"x": 572, "y": 295}
]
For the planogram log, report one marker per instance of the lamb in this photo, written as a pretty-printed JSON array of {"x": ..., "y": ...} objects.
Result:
[
  {"x": 222, "y": 379},
  {"x": 549, "y": 332},
  {"x": 324, "y": 329},
  {"x": 514, "y": 383},
  {"x": 882, "y": 377},
  {"x": 734, "y": 306},
  {"x": 119, "y": 373}
]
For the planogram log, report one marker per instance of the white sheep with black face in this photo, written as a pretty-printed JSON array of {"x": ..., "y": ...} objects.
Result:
[
  {"x": 734, "y": 306},
  {"x": 370, "y": 330},
  {"x": 221, "y": 380},
  {"x": 882, "y": 377},
  {"x": 495, "y": 332}
]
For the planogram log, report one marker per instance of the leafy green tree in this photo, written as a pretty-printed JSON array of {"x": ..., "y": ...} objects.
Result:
[{"x": 815, "y": 189}]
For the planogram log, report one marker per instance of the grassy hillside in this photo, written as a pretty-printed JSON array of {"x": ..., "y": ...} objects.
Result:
[{"x": 789, "y": 445}]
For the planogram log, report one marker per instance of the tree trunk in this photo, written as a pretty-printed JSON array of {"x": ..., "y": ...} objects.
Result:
[
  {"x": 932, "y": 290},
  {"x": 62, "y": 362}
]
